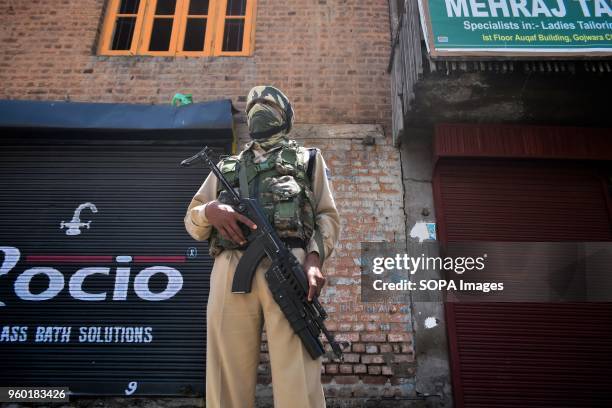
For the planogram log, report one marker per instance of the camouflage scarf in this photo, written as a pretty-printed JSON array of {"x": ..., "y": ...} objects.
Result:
[
  {"x": 272, "y": 141},
  {"x": 262, "y": 118}
]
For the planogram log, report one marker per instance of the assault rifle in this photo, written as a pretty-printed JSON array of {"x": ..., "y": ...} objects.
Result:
[{"x": 286, "y": 277}]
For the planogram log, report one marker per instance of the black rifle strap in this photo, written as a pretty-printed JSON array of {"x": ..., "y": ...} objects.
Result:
[
  {"x": 312, "y": 158},
  {"x": 242, "y": 178}
]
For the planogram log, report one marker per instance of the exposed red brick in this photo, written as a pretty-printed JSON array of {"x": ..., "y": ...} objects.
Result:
[
  {"x": 385, "y": 348},
  {"x": 331, "y": 368},
  {"x": 399, "y": 337},
  {"x": 345, "y": 327},
  {"x": 372, "y": 359},
  {"x": 359, "y": 327},
  {"x": 360, "y": 369},
  {"x": 373, "y": 337},
  {"x": 371, "y": 348},
  {"x": 358, "y": 348},
  {"x": 370, "y": 379},
  {"x": 346, "y": 379},
  {"x": 374, "y": 370},
  {"x": 346, "y": 369},
  {"x": 407, "y": 348},
  {"x": 347, "y": 336},
  {"x": 351, "y": 357}
]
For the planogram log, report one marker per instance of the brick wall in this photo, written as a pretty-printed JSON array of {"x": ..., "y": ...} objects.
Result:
[{"x": 330, "y": 56}]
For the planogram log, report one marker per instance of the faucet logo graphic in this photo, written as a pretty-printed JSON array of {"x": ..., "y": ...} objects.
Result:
[{"x": 74, "y": 225}]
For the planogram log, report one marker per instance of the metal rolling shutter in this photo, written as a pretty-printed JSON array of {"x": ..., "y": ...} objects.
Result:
[
  {"x": 141, "y": 194},
  {"x": 526, "y": 355}
]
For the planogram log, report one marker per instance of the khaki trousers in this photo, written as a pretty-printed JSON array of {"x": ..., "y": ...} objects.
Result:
[{"x": 234, "y": 323}]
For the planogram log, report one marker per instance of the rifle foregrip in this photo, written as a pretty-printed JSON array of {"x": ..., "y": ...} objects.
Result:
[{"x": 291, "y": 308}]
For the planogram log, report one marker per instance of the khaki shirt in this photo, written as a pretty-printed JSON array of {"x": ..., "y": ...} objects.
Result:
[{"x": 328, "y": 220}]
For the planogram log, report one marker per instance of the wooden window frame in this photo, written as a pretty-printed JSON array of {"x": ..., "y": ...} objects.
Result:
[
  {"x": 210, "y": 18},
  {"x": 109, "y": 25},
  {"x": 249, "y": 29},
  {"x": 145, "y": 36},
  {"x": 213, "y": 42}
]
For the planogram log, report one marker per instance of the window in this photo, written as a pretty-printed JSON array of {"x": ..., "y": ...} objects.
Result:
[{"x": 178, "y": 27}]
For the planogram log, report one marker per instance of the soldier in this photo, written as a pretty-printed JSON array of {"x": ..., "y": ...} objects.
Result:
[{"x": 291, "y": 184}]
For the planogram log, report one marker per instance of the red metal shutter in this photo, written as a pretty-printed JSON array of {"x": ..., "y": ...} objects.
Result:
[{"x": 526, "y": 355}]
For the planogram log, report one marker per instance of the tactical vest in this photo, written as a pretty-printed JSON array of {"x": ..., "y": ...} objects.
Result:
[{"x": 281, "y": 187}]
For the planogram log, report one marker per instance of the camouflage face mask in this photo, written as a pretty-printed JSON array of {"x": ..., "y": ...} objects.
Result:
[{"x": 262, "y": 118}]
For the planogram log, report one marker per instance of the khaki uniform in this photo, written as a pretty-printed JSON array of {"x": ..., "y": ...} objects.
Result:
[{"x": 234, "y": 321}]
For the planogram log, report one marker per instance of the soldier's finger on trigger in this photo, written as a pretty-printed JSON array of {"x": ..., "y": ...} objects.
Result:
[
  {"x": 311, "y": 292},
  {"x": 314, "y": 285},
  {"x": 246, "y": 221}
]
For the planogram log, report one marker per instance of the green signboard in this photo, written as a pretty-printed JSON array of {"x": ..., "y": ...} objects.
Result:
[{"x": 517, "y": 27}]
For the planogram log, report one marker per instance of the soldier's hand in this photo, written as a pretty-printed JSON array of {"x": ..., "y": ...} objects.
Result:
[
  {"x": 316, "y": 280},
  {"x": 225, "y": 219}
]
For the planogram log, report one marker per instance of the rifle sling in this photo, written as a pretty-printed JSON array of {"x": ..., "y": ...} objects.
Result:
[{"x": 242, "y": 178}]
